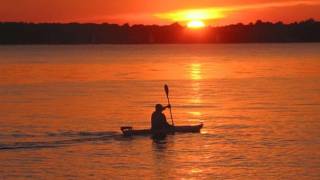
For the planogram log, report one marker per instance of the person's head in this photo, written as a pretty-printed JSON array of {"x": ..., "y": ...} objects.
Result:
[{"x": 159, "y": 108}]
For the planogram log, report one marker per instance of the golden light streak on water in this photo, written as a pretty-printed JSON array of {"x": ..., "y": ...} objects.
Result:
[
  {"x": 196, "y": 71},
  {"x": 195, "y": 113}
]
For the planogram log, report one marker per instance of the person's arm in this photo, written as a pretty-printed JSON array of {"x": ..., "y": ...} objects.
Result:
[
  {"x": 168, "y": 106},
  {"x": 166, "y": 122}
]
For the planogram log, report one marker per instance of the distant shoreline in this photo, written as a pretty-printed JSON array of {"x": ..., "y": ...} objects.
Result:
[{"x": 17, "y": 33}]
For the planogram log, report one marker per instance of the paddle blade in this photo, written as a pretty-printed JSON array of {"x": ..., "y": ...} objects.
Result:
[{"x": 166, "y": 89}]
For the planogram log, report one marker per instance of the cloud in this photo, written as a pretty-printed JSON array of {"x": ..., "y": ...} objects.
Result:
[
  {"x": 219, "y": 12},
  {"x": 270, "y": 5}
]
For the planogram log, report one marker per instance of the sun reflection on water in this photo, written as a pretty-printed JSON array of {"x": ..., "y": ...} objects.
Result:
[
  {"x": 196, "y": 113},
  {"x": 196, "y": 96},
  {"x": 196, "y": 170},
  {"x": 196, "y": 71}
]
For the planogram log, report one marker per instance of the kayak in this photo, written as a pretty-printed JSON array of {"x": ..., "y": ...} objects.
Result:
[{"x": 129, "y": 131}]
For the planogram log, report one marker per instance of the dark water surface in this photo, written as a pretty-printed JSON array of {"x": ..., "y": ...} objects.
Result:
[{"x": 61, "y": 108}]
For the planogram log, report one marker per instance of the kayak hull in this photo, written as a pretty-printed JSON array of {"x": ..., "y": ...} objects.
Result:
[{"x": 129, "y": 131}]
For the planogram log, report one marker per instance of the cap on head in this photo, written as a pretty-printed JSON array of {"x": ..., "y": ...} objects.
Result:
[{"x": 159, "y": 107}]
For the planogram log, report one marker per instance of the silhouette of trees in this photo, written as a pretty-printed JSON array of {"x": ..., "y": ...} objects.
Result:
[{"x": 75, "y": 33}]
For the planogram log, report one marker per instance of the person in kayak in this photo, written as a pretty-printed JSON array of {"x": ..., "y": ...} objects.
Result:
[{"x": 159, "y": 120}]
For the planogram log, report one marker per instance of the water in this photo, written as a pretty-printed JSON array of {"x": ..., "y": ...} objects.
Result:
[{"x": 61, "y": 108}]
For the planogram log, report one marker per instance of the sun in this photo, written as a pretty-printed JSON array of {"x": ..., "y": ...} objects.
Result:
[{"x": 196, "y": 24}]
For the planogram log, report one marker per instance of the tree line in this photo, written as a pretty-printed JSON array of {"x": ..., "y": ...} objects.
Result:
[{"x": 89, "y": 33}]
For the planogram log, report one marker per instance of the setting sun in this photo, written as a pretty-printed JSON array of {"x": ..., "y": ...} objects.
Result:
[{"x": 196, "y": 24}]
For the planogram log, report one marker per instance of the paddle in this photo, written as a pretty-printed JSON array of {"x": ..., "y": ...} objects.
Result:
[{"x": 166, "y": 89}]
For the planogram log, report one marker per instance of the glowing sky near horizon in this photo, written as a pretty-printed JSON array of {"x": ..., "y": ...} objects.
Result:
[{"x": 213, "y": 12}]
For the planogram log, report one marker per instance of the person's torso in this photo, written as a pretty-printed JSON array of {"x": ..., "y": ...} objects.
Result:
[{"x": 158, "y": 121}]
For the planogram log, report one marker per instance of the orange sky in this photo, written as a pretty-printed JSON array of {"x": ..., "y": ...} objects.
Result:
[{"x": 156, "y": 11}]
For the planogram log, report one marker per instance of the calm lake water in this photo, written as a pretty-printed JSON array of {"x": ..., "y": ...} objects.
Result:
[{"x": 61, "y": 108}]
